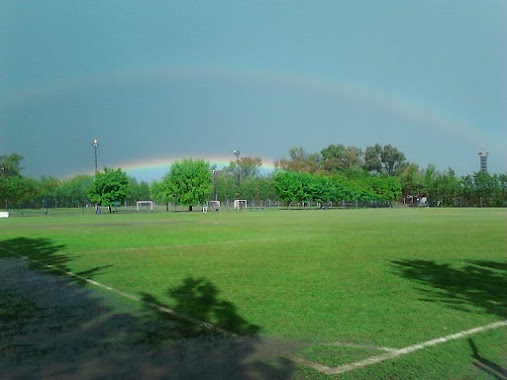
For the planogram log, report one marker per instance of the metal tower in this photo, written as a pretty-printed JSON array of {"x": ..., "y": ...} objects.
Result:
[{"x": 484, "y": 161}]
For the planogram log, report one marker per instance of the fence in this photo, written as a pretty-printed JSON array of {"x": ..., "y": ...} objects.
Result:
[{"x": 225, "y": 206}]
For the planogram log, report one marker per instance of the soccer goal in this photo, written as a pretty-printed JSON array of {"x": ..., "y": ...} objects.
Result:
[
  {"x": 214, "y": 205},
  {"x": 144, "y": 206},
  {"x": 240, "y": 204}
]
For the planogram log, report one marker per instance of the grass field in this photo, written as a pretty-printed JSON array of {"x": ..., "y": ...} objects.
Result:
[{"x": 328, "y": 288}]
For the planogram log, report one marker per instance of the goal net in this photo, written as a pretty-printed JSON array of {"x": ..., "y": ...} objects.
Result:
[
  {"x": 240, "y": 204},
  {"x": 214, "y": 205},
  {"x": 144, "y": 206}
]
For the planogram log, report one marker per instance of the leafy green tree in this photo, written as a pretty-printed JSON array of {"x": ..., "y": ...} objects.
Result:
[
  {"x": 411, "y": 181},
  {"x": 249, "y": 167},
  {"x": 138, "y": 191},
  {"x": 450, "y": 188},
  {"x": 385, "y": 189},
  {"x": 14, "y": 188},
  {"x": 300, "y": 161},
  {"x": 225, "y": 185},
  {"x": 338, "y": 158},
  {"x": 372, "y": 161},
  {"x": 285, "y": 183},
  {"x": 10, "y": 165},
  {"x": 386, "y": 159},
  {"x": 189, "y": 181},
  {"x": 392, "y": 159},
  {"x": 485, "y": 187},
  {"x": 74, "y": 192},
  {"x": 109, "y": 187},
  {"x": 47, "y": 191}
]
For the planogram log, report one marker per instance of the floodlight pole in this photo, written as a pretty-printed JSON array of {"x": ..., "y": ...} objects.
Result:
[
  {"x": 237, "y": 154},
  {"x": 215, "y": 183},
  {"x": 95, "y": 144}
]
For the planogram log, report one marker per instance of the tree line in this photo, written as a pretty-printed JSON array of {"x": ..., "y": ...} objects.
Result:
[{"x": 379, "y": 175}]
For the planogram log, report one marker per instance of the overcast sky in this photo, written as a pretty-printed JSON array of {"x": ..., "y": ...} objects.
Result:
[{"x": 165, "y": 79}]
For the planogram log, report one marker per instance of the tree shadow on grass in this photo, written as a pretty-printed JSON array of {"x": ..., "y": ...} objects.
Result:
[
  {"x": 207, "y": 338},
  {"x": 481, "y": 363},
  {"x": 43, "y": 254},
  {"x": 479, "y": 284},
  {"x": 41, "y": 249},
  {"x": 52, "y": 327}
]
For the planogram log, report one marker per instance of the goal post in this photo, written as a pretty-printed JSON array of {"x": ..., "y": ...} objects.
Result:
[
  {"x": 214, "y": 205},
  {"x": 240, "y": 204},
  {"x": 147, "y": 204}
]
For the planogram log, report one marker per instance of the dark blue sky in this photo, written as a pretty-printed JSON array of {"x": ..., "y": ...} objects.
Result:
[{"x": 164, "y": 79}]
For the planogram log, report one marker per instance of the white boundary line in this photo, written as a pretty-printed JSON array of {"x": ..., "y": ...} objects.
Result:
[
  {"x": 395, "y": 353},
  {"x": 132, "y": 297}
]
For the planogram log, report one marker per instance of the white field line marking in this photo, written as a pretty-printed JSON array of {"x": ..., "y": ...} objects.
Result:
[
  {"x": 370, "y": 347},
  {"x": 403, "y": 351},
  {"x": 132, "y": 297}
]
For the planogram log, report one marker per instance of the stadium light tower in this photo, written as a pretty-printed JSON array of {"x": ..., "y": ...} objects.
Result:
[
  {"x": 237, "y": 154},
  {"x": 95, "y": 144},
  {"x": 483, "y": 156},
  {"x": 215, "y": 183}
]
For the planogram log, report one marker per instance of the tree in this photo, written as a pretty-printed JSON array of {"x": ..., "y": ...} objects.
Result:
[
  {"x": 10, "y": 165},
  {"x": 109, "y": 187},
  {"x": 386, "y": 159},
  {"x": 338, "y": 158},
  {"x": 392, "y": 159},
  {"x": 300, "y": 161},
  {"x": 372, "y": 161},
  {"x": 189, "y": 181},
  {"x": 138, "y": 191},
  {"x": 249, "y": 167},
  {"x": 75, "y": 191},
  {"x": 14, "y": 188},
  {"x": 411, "y": 182}
]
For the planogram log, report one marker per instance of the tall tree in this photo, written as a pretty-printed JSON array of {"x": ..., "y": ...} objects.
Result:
[
  {"x": 14, "y": 188},
  {"x": 338, "y": 158},
  {"x": 189, "y": 182},
  {"x": 392, "y": 159},
  {"x": 249, "y": 167},
  {"x": 138, "y": 191},
  {"x": 109, "y": 187},
  {"x": 300, "y": 161},
  {"x": 372, "y": 161},
  {"x": 74, "y": 191},
  {"x": 386, "y": 159},
  {"x": 10, "y": 165}
]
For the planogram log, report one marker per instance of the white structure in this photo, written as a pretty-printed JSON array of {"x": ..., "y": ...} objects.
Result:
[
  {"x": 214, "y": 205},
  {"x": 240, "y": 204},
  {"x": 4, "y": 214},
  {"x": 144, "y": 203},
  {"x": 483, "y": 156}
]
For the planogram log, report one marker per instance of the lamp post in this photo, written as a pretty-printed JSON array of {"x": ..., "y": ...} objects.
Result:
[
  {"x": 95, "y": 144},
  {"x": 215, "y": 184},
  {"x": 237, "y": 153}
]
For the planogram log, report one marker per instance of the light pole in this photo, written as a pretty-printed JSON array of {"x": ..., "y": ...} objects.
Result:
[
  {"x": 95, "y": 144},
  {"x": 237, "y": 153},
  {"x": 215, "y": 183}
]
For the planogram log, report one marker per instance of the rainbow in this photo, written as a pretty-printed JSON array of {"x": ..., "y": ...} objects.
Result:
[
  {"x": 158, "y": 167},
  {"x": 402, "y": 105},
  {"x": 369, "y": 96}
]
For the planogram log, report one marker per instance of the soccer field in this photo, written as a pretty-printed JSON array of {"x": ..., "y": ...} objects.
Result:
[{"x": 353, "y": 293}]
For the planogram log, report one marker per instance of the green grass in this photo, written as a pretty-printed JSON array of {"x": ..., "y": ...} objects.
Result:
[{"x": 381, "y": 277}]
